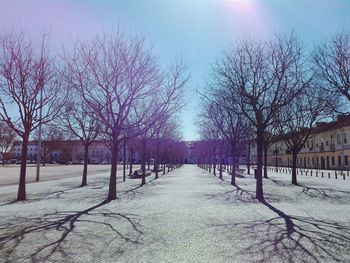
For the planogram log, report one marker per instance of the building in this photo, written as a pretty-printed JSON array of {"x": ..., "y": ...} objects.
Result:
[
  {"x": 327, "y": 148},
  {"x": 194, "y": 149},
  {"x": 190, "y": 152},
  {"x": 69, "y": 151}
]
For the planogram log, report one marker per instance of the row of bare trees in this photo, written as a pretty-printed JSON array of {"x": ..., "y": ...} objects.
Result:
[
  {"x": 268, "y": 90},
  {"x": 111, "y": 87}
]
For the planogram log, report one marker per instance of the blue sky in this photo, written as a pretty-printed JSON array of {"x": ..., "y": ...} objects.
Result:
[{"x": 197, "y": 30}]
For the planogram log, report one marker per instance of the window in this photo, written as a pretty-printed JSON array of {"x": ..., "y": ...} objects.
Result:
[
  {"x": 308, "y": 160},
  {"x": 326, "y": 143},
  {"x": 333, "y": 161},
  {"x": 339, "y": 160},
  {"x": 345, "y": 138},
  {"x": 308, "y": 145},
  {"x": 332, "y": 139},
  {"x": 346, "y": 160},
  {"x": 338, "y": 139},
  {"x": 313, "y": 161}
]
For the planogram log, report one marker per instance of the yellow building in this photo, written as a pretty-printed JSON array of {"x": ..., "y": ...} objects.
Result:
[{"x": 327, "y": 148}]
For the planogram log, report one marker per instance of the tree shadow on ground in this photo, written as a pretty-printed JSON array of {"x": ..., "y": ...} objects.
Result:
[
  {"x": 279, "y": 183},
  {"x": 341, "y": 196},
  {"x": 289, "y": 238},
  {"x": 8, "y": 203},
  {"x": 235, "y": 195},
  {"x": 238, "y": 194},
  {"x": 40, "y": 238},
  {"x": 49, "y": 194}
]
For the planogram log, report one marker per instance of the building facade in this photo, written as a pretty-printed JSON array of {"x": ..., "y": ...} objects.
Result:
[
  {"x": 327, "y": 148},
  {"x": 70, "y": 151}
]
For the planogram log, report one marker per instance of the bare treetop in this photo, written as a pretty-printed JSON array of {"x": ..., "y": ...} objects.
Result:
[
  {"x": 332, "y": 69},
  {"x": 266, "y": 75},
  {"x": 25, "y": 72}
]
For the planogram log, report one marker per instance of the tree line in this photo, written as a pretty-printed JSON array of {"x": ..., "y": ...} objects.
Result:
[
  {"x": 260, "y": 91},
  {"x": 112, "y": 87}
]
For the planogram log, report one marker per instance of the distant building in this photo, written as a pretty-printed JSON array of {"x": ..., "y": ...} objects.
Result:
[
  {"x": 327, "y": 148},
  {"x": 193, "y": 149},
  {"x": 71, "y": 150},
  {"x": 190, "y": 152}
]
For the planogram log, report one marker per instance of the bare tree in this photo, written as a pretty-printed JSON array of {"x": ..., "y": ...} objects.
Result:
[
  {"x": 332, "y": 69},
  {"x": 122, "y": 82},
  {"x": 297, "y": 121},
  {"x": 168, "y": 130},
  {"x": 132, "y": 145},
  {"x": 223, "y": 113},
  {"x": 28, "y": 84},
  {"x": 262, "y": 77},
  {"x": 209, "y": 135},
  {"x": 7, "y": 138},
  {"x": 77, "y": 119}
]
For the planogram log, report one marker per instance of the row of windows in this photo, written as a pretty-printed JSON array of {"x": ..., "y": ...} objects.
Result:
[
  {"x": 329, "y": 160},
  {"x": 96, "y": 153},
  {"x": 310, "y": 143}
]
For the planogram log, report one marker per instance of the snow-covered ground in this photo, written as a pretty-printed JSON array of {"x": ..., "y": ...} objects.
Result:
[{"x": 187, "y": 215}]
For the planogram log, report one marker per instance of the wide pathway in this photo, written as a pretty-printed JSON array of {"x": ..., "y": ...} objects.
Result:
[{"x": 187, "y": 215}]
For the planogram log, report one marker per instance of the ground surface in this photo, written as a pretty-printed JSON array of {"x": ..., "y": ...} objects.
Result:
[
  {"x": 9, "y": 174},
  {"x": 187, "y": 215}
]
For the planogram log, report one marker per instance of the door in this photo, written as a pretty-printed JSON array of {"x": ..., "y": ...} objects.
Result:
[{"x": 322, "y": 163}]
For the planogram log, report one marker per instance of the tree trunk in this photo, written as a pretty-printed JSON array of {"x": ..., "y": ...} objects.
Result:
[
  {"x": 248, "y": 159},
  {"x": 156, "y": 160},
  {"x": 131, "y": 159},
  {"x": 276, "y": 162},
  {"x": 143, "y": 164},
  {"x": 265, "y": 161},
  {"x": 3, "y": 159},
  {"x": 233, "y": 173},
  {"x": 21, "y": 195},
  {"x": 220, "y": 165},
  {"x": 294, "y": 167},
  {"x": 86, "y": 159},
  {"x": 214, "y": 162},
  {"x": 259, "y": 151},
  {"x": 112, "y": 192},
  {"x": 124, "y": 160}
]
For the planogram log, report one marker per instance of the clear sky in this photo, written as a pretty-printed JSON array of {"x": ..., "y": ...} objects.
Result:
[{"x": 197, "y": 30}]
